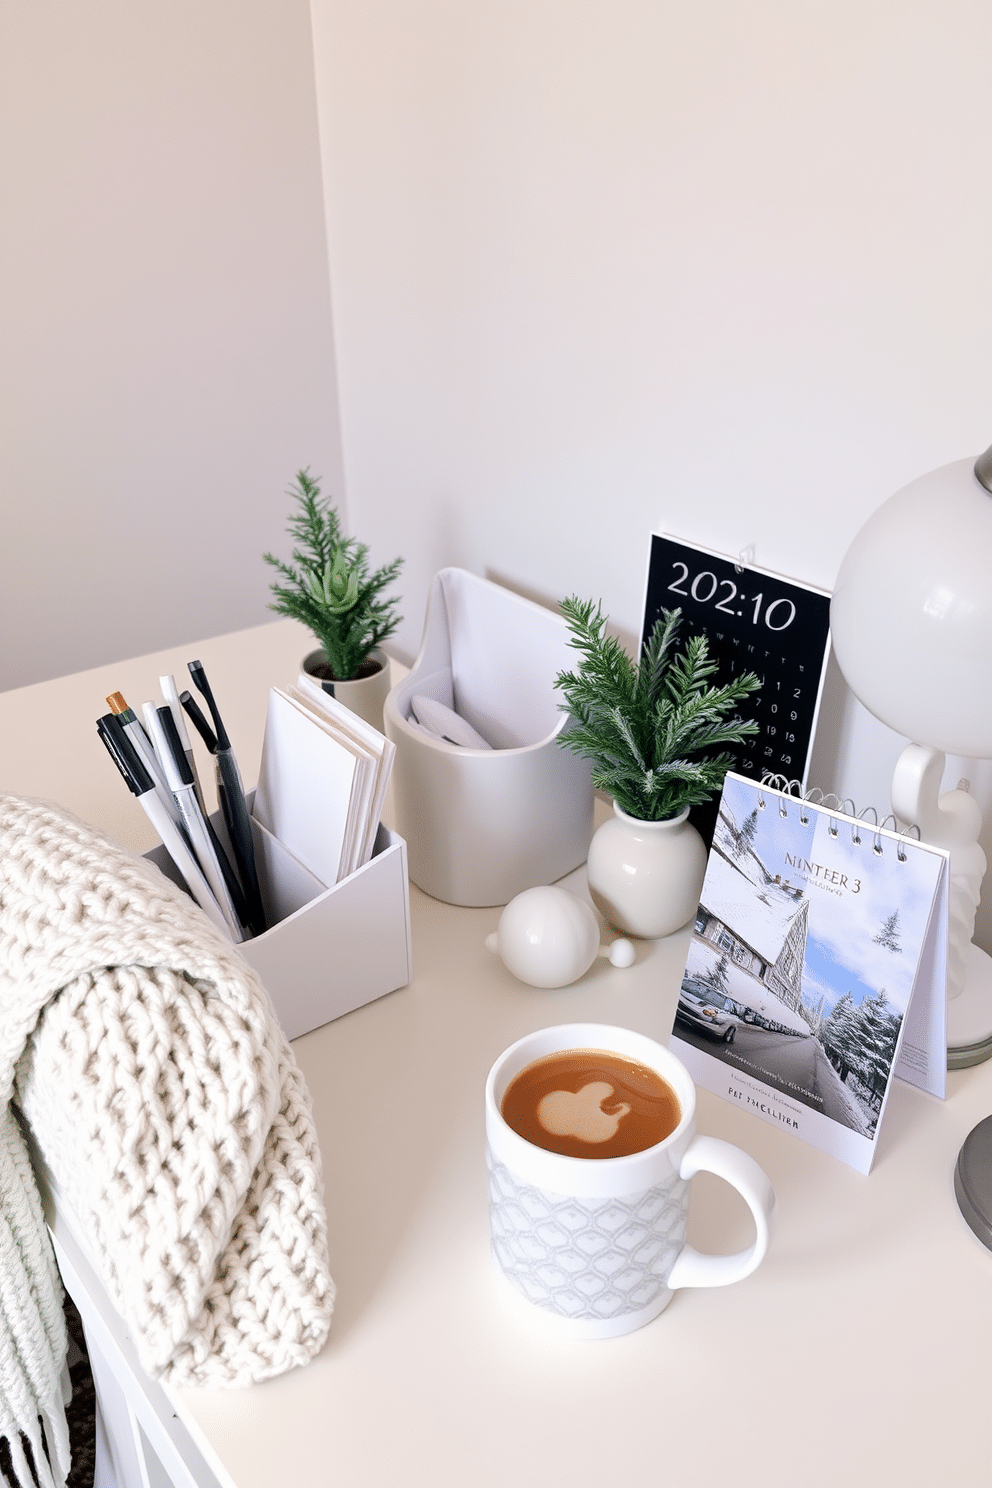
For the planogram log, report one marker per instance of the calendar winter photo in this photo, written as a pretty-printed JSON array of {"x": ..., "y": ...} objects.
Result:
[{"x": 816, "y": 968}]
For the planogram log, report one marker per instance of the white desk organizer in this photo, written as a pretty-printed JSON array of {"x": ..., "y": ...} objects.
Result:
[
  {"x": 481, "y": 824},
  {"x": 328, "y": 950}
]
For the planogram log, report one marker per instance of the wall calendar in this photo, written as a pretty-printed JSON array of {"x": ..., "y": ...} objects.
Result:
[{"x": 755, "y": 621}]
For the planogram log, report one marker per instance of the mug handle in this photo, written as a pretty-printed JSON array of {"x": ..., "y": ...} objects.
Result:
[{"x": 710, "y": 1155}]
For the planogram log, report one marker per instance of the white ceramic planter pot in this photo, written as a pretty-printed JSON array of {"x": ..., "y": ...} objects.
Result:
[
  {"x": 363, "y": 695},
  {"x": 644, "y": 876}
]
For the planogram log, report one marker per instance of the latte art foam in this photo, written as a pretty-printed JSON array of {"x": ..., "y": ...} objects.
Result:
[
  {"x": 584, "y": 1115},
  {"x": 591, "y": 1103}
]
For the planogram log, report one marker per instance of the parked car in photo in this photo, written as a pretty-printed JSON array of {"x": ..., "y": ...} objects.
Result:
[{"x": 713, "y": 1012}]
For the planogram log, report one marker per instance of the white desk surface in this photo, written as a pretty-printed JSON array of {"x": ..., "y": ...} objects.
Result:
[{"x": 861, "y": 1350}]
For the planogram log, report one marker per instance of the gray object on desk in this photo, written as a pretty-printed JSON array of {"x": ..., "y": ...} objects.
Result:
[{"x": 973, "y": 1180}]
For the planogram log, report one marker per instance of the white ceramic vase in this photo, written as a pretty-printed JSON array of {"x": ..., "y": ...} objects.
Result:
[
  {"x": 363, "y": 695},
  {"x": 645, "y": 876}
]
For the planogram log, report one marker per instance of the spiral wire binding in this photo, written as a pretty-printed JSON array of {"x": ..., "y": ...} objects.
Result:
[
  {"x": 900, "y": 854},
  {"x": 863, "y": 816},
  {"x": 815, "y": 797}
]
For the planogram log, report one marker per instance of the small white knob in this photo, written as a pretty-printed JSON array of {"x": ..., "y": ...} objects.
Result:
[{"x": 622, "y": 953}]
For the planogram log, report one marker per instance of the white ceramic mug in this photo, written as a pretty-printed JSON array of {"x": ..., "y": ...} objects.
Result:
[{"x": 600, "y": 1242}]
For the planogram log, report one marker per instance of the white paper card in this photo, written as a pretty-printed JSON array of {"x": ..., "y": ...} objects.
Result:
[
  {"x": 380, "y": 751},
  {"x": 360, "y": 807},
  {"x": 307, "y": 783}
]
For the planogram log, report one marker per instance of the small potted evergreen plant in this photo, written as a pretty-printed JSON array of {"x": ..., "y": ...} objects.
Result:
[
  {"x": 650, "y": 730},
  {"x": 327, "y": 585}
]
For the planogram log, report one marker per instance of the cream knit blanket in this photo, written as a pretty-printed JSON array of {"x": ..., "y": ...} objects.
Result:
[{"x": 170, "y": 1111}]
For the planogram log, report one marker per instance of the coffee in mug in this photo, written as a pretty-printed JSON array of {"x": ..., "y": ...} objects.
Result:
[
  {"x": 591, "y": 1103},
  {"x": 599, "y": 1241}
]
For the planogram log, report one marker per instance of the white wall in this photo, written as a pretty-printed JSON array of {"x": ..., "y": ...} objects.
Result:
[
  {"x": 166, "y": 359},
  {"x": 605, "y": 266},
  {"x": 597, "y": 268}
]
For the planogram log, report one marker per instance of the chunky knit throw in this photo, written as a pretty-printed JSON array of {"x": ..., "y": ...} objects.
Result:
[{"x": 145, "y": 1055}]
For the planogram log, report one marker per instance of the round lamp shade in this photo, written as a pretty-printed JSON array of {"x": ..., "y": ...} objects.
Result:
[{"x": 911, "y": 615}]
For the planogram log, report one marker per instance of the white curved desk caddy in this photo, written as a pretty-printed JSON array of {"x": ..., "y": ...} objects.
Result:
[{"x": 482, "y": 825}]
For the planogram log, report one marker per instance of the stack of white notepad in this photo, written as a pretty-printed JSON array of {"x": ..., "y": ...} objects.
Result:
[{"x": 322, "y": 780}]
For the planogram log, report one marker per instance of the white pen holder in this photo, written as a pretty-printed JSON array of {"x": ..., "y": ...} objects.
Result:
[
  {"x": 328, "y": 950},
  {"x": 484, "y": 824}
]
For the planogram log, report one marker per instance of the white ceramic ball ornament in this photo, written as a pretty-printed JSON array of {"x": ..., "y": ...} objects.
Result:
[{"x": 548, "y": 937}]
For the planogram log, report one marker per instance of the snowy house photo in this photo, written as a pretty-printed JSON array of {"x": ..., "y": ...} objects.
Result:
[{"x": 747, "y": 913}]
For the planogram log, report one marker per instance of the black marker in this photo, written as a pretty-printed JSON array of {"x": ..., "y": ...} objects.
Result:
[
  {"x": 196, "y": 718},
  {"x": 233, "y": 804}
]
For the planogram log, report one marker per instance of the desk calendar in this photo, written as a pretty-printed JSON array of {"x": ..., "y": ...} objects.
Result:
[{"x": 817, "y": 967}]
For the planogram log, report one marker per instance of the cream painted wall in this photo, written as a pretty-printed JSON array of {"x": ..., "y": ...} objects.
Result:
[
  {"x": 601, "y": 268},
  {"x": 166, "y": 357},
  {"x": 597, "y": 269}
]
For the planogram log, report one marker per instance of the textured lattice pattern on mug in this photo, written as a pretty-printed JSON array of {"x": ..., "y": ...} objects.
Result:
[{"x": 586, "y": 1258}]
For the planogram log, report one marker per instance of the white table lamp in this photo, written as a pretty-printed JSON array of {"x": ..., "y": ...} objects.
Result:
[{"x": 911, "y": 620}]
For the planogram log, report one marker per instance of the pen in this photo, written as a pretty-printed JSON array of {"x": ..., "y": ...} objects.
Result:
[
  {"x": 168, "y": 686},
  {"x": 233, "y": 804},
  {"x": 179, "y": 779},
  {"x": 209, "y": 738},
  {"x": 144, "y": 748},
  {"x": 198, "y": 721},
  {"x": 141, "y": 785}
]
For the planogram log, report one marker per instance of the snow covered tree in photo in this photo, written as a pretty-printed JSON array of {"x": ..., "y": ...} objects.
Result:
[
  {"x": 878, "y": 1033},
  {"x": 745, "y": 836},
  {"x": 888, "y": 936},
  {"x": 839, "y": 1036},
  {"x": 860, "y": 1041},
  {"x": 716, "y": 977}
]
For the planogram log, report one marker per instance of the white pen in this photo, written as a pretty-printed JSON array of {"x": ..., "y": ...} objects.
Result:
[
  {"x": 168, "y": 686},
  {"x": 158, "y": 723},
  {"x": 141, "y": 785}
]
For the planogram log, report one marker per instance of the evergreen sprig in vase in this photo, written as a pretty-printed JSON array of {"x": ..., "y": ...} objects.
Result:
[
  {"x": 328, "y": 586},
  {"x": 650, "y": 729}
]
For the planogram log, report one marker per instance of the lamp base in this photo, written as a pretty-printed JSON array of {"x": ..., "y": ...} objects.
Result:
[
  {"x": 969, "y": 1016},
  {"x": 973, "y": 1180}
]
